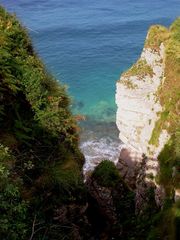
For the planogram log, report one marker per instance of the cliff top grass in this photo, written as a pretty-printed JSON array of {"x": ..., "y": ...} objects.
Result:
[
  {"x": 169, "y": 91},
  {"x": 169, "y": 97},
  {"x": 156, "y": 35},
  {"x": 139, "y": 69}
]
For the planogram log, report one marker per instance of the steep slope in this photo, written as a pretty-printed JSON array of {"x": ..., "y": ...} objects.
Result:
[
  {"x": 41, "y": 187},
  {"x": 147, "y": 97},
  {"x": 137, "y": 100},
  {"x": 148, "y": 93}
]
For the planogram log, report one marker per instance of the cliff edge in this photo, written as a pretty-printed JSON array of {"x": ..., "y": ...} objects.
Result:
[{"x": 147, "y": 98}]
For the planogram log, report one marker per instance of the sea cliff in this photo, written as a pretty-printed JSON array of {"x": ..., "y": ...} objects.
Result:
[{"x": 148, "y": 106}]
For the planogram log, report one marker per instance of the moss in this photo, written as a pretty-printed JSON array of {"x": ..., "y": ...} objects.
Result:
[{"x": 140, "y": 69}]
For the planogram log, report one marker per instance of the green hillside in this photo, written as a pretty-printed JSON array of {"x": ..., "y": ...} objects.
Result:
[{"x": 40, "y": 163}]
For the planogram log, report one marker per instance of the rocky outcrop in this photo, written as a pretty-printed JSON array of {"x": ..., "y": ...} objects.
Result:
[
  {"x": 138, "y": 111},
  {"x": 138, "y": 105}
]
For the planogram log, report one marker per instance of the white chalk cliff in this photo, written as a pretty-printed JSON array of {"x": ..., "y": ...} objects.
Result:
[
  {"x": 138, "y": 106},
  {"x": 138, "y": 109},
  {"x": 147, "y": 98}
]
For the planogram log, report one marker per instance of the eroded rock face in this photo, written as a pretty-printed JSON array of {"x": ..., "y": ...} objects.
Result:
[
  {"x": 138, "y": 111},
  {"x": 138, "y": 105}
]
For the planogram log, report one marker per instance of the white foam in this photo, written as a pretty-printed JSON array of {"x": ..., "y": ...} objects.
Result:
[{"x": 97, "y": 150}]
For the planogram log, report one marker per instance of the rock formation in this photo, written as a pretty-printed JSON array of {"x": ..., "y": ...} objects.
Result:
[
  {"x": 139, "y": 108},
  {"x": 143, "y": 117},
  {"x": 138, "y": 104}
]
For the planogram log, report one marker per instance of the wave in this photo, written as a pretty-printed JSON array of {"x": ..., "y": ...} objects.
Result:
[{"x": 96, "y": 150}]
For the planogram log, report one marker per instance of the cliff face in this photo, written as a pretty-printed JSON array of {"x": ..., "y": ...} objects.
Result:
[
  {"x": 137, "y": 101},
  {"x": 147, "y": 98}
]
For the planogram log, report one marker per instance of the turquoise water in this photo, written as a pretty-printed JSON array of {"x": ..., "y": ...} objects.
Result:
[{"x": 86, "y": 44}]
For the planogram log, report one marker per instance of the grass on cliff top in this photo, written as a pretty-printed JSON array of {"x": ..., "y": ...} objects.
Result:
[
  {"x": 169, "y": 158},
  {"x": 156, "y": 35},
  {"x": 169, "y": 91},
  {"x": 139, "y": 69}
]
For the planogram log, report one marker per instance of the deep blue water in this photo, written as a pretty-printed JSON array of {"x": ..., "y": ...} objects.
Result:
[{"x": 86, "y": 44}]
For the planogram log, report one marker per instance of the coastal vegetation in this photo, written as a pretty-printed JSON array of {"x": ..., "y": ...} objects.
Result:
[
  {"x": 106, "y": 174},
  {"x": 169, "y": 91},
  {"x": 140, "y": 69},
  {"x": 40, "y": 162},
  {"x": 129, "y": 84},
  {"x": 156, "y": 35},
  {"x": 42, "y": 191},
  {"x": 168, "y": 95}
]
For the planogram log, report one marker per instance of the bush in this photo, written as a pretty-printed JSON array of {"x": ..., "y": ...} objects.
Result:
[
  {"x": 106, "y": 174},
  {"x": 12, "y": 208}
]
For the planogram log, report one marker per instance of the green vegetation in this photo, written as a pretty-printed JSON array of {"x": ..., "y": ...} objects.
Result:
[
  {"x": 169, "y": 158},
  {"x": 140, "y": 69},
  {"x": 13, "y": 208},
  {"x": 40, "y": 163},
  {"x": 42, "y": 194},
  {"x": 169, "y": 91},
  {"x": 23, "y": 72},
  {"x": 156, "y": 35},
  {"x": 168, "y": 223},
  {"x": 129, "y": 84},
  {"x": 106, "y": 174}
]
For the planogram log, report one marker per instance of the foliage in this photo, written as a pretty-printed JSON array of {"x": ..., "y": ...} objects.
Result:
[
  {"x": 166, "y": 223},
  {"x": 140, "y": 69},
  {"x": 21, "y": 70},
  {"x": 169, "y": 159},
  {"x": 156, "y": 35},
  {"x": 106, "y": 174},
  {"x": 169, "y": 91},
  {"x": 13, "y": 209},
  {"x": 44, "y": 172}
]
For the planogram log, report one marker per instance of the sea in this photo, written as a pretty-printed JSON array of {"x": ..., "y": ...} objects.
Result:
[{"x": 86, "y": 45}]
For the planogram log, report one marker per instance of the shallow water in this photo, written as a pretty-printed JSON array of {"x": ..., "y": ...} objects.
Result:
[{"x": 87, "y": 44}]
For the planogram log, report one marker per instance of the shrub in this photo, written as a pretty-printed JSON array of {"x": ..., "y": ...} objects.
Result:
[{"x": 106, "y": 174}]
